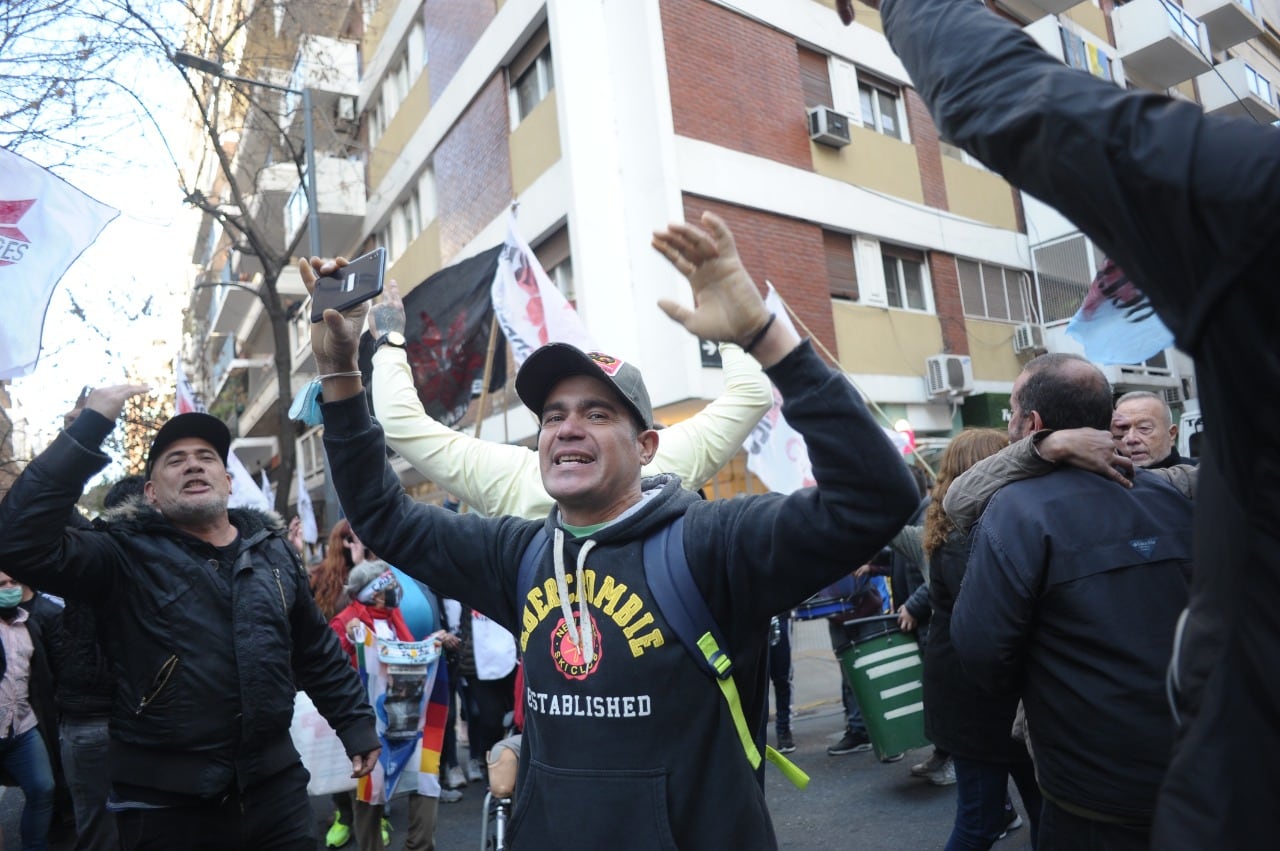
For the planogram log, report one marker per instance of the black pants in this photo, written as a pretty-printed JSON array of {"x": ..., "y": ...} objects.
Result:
[
  {"x": 274, "y": 814},
  {"x": 489, "y": 701}
]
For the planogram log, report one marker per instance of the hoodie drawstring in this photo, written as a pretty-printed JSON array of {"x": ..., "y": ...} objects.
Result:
[{"x": 579, "y": 633}]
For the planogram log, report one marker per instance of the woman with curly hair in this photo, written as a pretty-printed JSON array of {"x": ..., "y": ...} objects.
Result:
[
  {"x": 329, "y": 581},
  {"x": 971, "y": 724}
]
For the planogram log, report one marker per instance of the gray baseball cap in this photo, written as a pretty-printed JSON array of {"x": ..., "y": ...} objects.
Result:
[{"x": 555, "y": 362}]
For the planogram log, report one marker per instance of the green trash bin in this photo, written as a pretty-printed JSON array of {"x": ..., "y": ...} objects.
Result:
[{"x": 883, "y": 667}]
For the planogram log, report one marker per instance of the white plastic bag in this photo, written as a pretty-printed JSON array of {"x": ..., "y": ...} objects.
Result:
[{"x": 321, "y": 749}]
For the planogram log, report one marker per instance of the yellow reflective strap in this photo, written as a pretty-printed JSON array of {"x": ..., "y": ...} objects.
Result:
[
  {"x": 789, "y": 769},
  {"x": 721, "y": 662}
]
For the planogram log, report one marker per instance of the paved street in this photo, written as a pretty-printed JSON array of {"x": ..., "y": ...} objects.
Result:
[{"x": 853, "y": 801}]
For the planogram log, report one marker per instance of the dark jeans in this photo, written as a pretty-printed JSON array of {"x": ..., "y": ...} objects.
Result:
[
  {"x": 981, "y": 789},
  {"x": 84, "y": 762},
  {"x": 852, "y": 714},
  {"x": 780, "y": 674},
  {"x": 274, "y": 814},
  {"x": 1064, "y": 831},
  {"x": 26, "y": 758},
  {"x": 487, "y": 702}
]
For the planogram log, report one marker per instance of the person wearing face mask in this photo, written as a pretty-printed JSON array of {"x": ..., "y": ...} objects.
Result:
[
  {"x": 375, "y": 593},
  {"x": 25, "y": 689}
]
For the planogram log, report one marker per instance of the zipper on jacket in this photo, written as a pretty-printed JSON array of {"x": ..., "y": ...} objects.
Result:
[
  {"x": 158, "y": 683},
  {"x": 283, "y": 604}
]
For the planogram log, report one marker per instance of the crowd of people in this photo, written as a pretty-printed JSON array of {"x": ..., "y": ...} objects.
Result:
[{"x": 1075, "y": 638}]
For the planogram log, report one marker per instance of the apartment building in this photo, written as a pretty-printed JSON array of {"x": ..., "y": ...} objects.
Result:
[{"x": 927, "y": 277}]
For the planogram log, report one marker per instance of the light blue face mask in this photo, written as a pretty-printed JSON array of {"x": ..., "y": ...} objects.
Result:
[
  {"x": 306, "y": 405},
  {"x": 10, "y": 597}
]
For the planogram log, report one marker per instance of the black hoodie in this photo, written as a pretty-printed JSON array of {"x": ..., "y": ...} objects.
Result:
[{"x": 634, "y": 747}]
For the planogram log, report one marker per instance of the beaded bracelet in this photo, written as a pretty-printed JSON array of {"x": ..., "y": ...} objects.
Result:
[{"x": 759, "y": 334}]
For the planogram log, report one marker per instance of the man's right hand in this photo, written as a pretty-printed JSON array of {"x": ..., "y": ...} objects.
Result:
[
  {"x": 335, "y": 340},
  {"x": 363, "y": 763},
  {"x": 1089, "y": 449},
  {"x": 109, "y": 401}
]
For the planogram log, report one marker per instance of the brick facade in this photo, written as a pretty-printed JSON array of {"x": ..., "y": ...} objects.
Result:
[
  {"x": 785, "y": 251},
  {"x": 452, "y": 30},
  {"x": 947, "y": 304},
  {"x": 473, "y": 169},
  {"x": 734, "y": 82},
  {"x": 924, "y": 135}
]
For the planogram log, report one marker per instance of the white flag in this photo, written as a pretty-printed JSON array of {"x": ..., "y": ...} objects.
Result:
[
  {"x": 776, "y": 453},
  {"x": 266, "y": 489},
  {"x": 306, "y": 512},
  {"x": 185, "y": 399},
  {"x": 45, "y": 224},
  {"x": 244, "y": 490},
  {"x": 531, "y": 311}
]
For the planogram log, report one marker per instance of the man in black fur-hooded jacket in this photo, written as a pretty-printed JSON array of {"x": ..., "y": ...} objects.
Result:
[
  {"x": 207, "y": 617},
  {"x": 627, "y": 744}
]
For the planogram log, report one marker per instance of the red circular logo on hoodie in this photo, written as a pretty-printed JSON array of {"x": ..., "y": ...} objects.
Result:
[{"x": 568, "y": 656}]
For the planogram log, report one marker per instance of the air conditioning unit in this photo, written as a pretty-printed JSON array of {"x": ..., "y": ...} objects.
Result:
[
  {"x": 948, "y": 375},
  {"x": 1028, "y": 339},
  {"x": 828, "y": 127}
]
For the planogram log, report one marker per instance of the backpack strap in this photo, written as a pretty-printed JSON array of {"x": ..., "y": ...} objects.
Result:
[{"x": 666, "y": 569}]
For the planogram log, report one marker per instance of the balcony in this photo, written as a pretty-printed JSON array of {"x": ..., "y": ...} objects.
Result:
[
  {"x": 330, "y": 68},
  {"x": 1230, "y": 22},
  {"x": 1234, "y": 88},
  {"x": 265, "y": 208},
  {"x": 1160, "y": 44},
  {"x": 1074, "y": 50},
  {"x": 341, "y": 199},
  {"x": 230, "y": 307},
  {"x": 1034, "y": 10}
]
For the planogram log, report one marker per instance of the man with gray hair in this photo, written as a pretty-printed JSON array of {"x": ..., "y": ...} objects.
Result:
[{"x": 1144, "y": 431}]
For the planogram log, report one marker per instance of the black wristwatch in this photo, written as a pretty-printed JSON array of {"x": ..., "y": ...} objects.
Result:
[{"x": 391, "y": 338}]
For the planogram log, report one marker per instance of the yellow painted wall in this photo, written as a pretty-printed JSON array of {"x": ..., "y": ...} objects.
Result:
[
  {"x": 873, "y": 160},
  {"x": 991, "y": 350},
  {"x": 535, "y": 144},
  {"x": 863, "y": 14},
  {"x": 1187, "y": 89},
  {"x": 1091, "y": 18},
  {"x": 976, "y": 193},
  {"x": 376, "y": 28},
  {"x": 403, "y": 124},
  {"x": 884, "y": 342},
  {"x": 420, "y": 259}
]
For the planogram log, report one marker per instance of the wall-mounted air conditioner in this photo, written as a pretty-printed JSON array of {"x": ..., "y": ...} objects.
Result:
[
  {"x": 1028, "y": 339},
  {"x": 828, "y": 127},
  {"x": 948, "y": 375}
]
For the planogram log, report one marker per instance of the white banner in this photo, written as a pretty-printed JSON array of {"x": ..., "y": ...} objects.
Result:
[
  {"x": 185, "y": 400},
  {"x": 530, "y": 309},
  {"x": 776, "y": 452},
  {"x": 45, "y": 224},
  {"x": 244, "y": 490},
  {"x": 306, "y": 512}
]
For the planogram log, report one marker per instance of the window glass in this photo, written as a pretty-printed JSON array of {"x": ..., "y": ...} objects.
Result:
[
  {"x": 993, "y": 288},
  {"x": 889, "y": 115}
]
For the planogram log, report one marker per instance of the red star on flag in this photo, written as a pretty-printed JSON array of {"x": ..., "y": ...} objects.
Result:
[{"x": 11, "y": 212}]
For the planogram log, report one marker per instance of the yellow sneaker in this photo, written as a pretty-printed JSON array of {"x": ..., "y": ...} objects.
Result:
[{"x": 339, "y": 834}]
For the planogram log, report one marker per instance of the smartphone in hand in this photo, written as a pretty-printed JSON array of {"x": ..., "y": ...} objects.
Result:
[{"x": 360, "y": 280}]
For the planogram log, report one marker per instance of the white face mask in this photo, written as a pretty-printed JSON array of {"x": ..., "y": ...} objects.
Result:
[{"x": 10, "y": 597}]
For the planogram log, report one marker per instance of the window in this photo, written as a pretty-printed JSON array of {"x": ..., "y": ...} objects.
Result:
[
  {"x": 904, "y": 277},
  {"x": 1258, "y": 84},
  {"x": 881, "y": 107},
  {"x": 842, "y": 276},
  {"x": 1064, "y": 269},
  {"x": 1182, "y": 24},
  {"x": 994, "y": 292},
  {"x": 1081, "y": 54},
  {"x": 555, "y": 258},
  {"x": 955, "y": 152},
  {"x": 531, "y": 77},
  {"x": 815, "y": 78},
  {"x": 409, "y": 217}
]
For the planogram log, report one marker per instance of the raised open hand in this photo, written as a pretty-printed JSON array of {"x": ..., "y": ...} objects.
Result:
[
  {"x": 727, "y": 306},
  {"x": 388, "y": 314},
  {"x": 109, "y": 401}
]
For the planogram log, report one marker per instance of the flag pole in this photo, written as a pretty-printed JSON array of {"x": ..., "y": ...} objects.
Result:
[
  {"x": 488, "y": 371},
  {"x": 795, "y": 317}
]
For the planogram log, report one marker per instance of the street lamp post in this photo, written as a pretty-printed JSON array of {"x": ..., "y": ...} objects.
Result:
[{"x": 208, "y": 66}]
